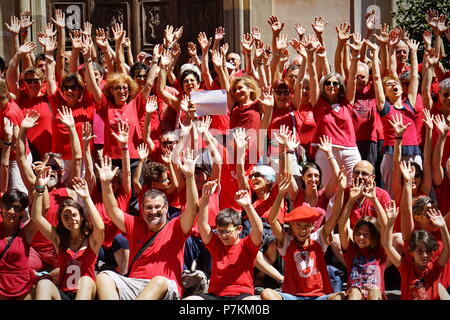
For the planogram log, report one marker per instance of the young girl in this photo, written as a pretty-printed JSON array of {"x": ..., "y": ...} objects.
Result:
[
  {"x": 420, "y": 272},
  {"x": 363, "y": 253},
  {"x": 77, "y": 245}
]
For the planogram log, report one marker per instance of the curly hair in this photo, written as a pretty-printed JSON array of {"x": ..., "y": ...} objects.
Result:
[
  {"x": 115, "y": 79},
  {"x": 153, "y": 172}
]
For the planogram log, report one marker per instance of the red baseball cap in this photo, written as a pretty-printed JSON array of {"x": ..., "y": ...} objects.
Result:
[{"x": 303, "y": 213}]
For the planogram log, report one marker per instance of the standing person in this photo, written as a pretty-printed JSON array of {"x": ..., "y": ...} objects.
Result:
[
  {"x": 156, "y": 245},
  {"x": 16, "y": 277},
  {"x": 77, "y": 243},
  {"x": 305, "y": 271},
  {"x": 233, "y": 258},
  {"x": 420, "y": 273},
  {"x": 332, "y": 103}
]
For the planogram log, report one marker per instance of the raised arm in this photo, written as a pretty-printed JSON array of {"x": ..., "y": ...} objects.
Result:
[
  {"x": 14, "y": 28},
  {"x": 311, "y": 44},
  {"x": 241, "y": 141},
  {"x": 443, "y": 127},
  {"x": 150, "y": 107},
  {"x": 143, "y": 155},
  {"x": 351, "y": 81},
  {"x": 25, "y": 24},
  {"x": 66, "y": 118},
  {"x": 8, "y": 128},
  {"x": 337, "y": 208},
  {"x": 343, "y": 34},
  {"x": 382, "y": 41},
  {"x": 202, "y": 128},
  {"x": 122, "y": 139},
  {"x": 427, "y": 179},
  {"x": 318, "y": 27},
  {"x": 431, "y": 58},
  {"x": 394, "y": 38},
  {"x": 98, "y": 227},
  {"x": 386, "y": 234},
  {"x": 187, "y": 166},
  {"x": 277, "y": 228},
  {"x": 407, "y": 220},
  {"x": 119, "y": 38},
  {"x": 87, "y": 157},
  {"x": 60, "y": 22},
  {"x": 13, "y": 68},
  {"x": 106, "y": 174},
  {"x": 326, "y": 146},
  {"x": 50, "y": 47},
  {"x": 167, "y": 97},
  {"x": 345, "y": 231},
  {"x": 243, "y": 198},
  {"x": 438, "y": 221},
  {"x": 378, "y": 85},
  {"x": 77, "y": 46},
  {"x": 203, "y": 226},
  {"x": 101, "y": 39},
  {"x": 204, "y": 44},
  {"x": 91, "y": 84},
  {"x": 414, "y": 78}
]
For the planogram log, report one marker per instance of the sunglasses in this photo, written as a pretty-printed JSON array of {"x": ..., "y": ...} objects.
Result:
[
  {"x": 73, "y": 88},
  {"x": 55, "y": 167},
  {"x": 332, "y": 83},
  {"x": 224, "y": 232},
  {"x": 119, "y": 88},
  {"x": 256, "y": 175},
  {"x": 34, "y": 80},
  {"x": 140, "y": 76},
  {"x": 16, "y": 208},
  {"x": 282, "y": 92},
  {"x": 168, "y": 143}
]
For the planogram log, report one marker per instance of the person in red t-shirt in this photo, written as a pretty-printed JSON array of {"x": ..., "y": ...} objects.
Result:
[
  {"x": 155, "y": 271},
  {"x": 305, "y": 271},
  {"x": 77, "y": 242},
  {"x": 332, "y": 103},
  {"x": 233, "y": 258},
  {"x": 420, "y": 271}
]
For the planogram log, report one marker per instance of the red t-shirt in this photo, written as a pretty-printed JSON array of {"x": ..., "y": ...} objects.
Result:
[
  {"x": 365, "y": 267},
  {"x": 305, "y": 120},
  {"x": 74, "y": 265},
  {"x": 15, "y": 115},
  {"x": 283, "y": 116},
  {"x": 366, "y": 208},
  {"x": 437, "y": 109},
  {"x": 364, "y": 117},
  {"x": 336, "y": 122},
  {"x": 232, "y": 267},
  {"x": 40, "y": 135},
  {"x": 84, "y": 112},
  {"x": 245, "y": 116},
  {"x": 166, "y": 254},
  {"x": 229, "y": 185},
  {"x": 305, "y": 269},
  {"x": 443, "y": 196},
  {"x": 416, "y": 285},
  {"x": 110, "y": 114},
  {"x": 263, "y": 207},
  {"x": 321, "y": 206},
  {"x": 16, "y": 277}
]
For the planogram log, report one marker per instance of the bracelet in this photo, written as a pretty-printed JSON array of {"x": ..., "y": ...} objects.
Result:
[
  {"x": 40, "y": 189},
  {"x": 124, "y": 148},
  {"x": 332, "y": 157},
  {"x": 7, "y": 143},
  {"x": 398, "y": 138},
  {"x": 290, "y": 151}
]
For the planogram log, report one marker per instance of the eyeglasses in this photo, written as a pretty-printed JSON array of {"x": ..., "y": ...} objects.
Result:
[
  {"x": 224, "y": 232},
  {"x": 73, "y": 88},
  {"x": 332, "y": 83},
  {"x": 361, "y": 173},
  {"x": 120, "y": 88},
  {"x": 17, "y": 208},
  {"x": 256, "y": 175},
  {"x": 391, "y": 84},
  {"x": 168, "y": 143},
  {"x": 282, "y": 92},
  {"x": 33, "y": 80},
  {"x": 140, "y": 76}
]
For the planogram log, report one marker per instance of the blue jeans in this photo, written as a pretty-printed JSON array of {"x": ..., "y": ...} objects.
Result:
[{"x": 287, "y": 296}]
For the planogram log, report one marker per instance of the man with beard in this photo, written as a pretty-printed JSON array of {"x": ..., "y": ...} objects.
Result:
[
  {"x": 42, "y": 252},
  {"x": 156, "y": 244}
]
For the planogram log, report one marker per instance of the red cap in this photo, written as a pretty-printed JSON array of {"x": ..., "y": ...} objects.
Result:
[{"x": 303, "y": 213}]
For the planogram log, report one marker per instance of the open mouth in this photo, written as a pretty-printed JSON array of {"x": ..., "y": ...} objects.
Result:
[{"x": 395, "y": 90}]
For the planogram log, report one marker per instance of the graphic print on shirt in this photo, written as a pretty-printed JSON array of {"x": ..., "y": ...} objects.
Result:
[
  {"x": 419, "y": 290},
  {"x": 305, "y": 264},
  {"x": 73, "y": 273},
  {"x": 365, "y": 272}
]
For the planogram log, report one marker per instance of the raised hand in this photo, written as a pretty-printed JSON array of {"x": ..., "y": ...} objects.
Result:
[
  {"x": 319, "y": 24},
  {"x": 342, "y": 178},
  {"x": 204, "y": 42},
  {"x": 169, "y": 36},
  {"x": 369, "y": 190},
  {"x": 217, "y": 58},
  {"x": 105, "y": 171},
  {"x": 187, "y": 162},
  {"x": 219, "y": 34},
  {"x": 26, "y": 48},
  {"x": 152, "y": 104},
  {"x": 60, "y": 19},
  {"x": 118, "y": 33},
  {"x": 292, "y": 142},
  {"x": 442, "y": 24},
  {"x": 310, "y": 43},
  {"x": 436, "y": 218},
  {"x": 383, "y": 37},
  {"x": 209, "y": 188},
  {"x": 65, "y": 117},
  {"x": 398, "y": 125},
  {"x": 203, "y": 125},
  {"x": 281, "y": 42},
  {"x": 442, "y": 124},
  {"x": 284, "y": 181},
  {"x": 176, "y": 50},
  {"x": 357, "y": 43},
  {"x": 394, "y": 38},
  {"x": 224, "y": 49},
  {"x": 428, "y": 119},
  {"x": 321, "y": 51},
  {"x": 81, "y": 188},
  {"x": 8, "y": 128},
  {"x": 300, "y": 29},
  {"x": 256, "y": 34},
  {"x": 42, "y": 175},
  {"x": 86, "y": 133},
  {"x": 143, "y": 152},
  {"x": 432, "y": 17},
  {"x": 101, "y": 38},
  {"x": 283, "y": 134},
  {"x": 14, "y": 26},
  {"x": 177, "y": 34},
  {"x": 325, "y": 145},
  {"x": 408, "y": 170},
  {"x": 240, "y": 138},
  {"x": 25, "y": 20},
  {"x": 275, "y": 24},
  {"x": 246, "y": 43},
  {"x": 30, "y": 119},
  {"x": 243, "y": 198},
  {"x": 192, "y": 49},
  {"x": 427, "y": 37},
  {"x": 86, "y": 49},
  {"x": 123, "y": 129},
  {"x": 356, "y": 188},
  {"x": 343, "y": 31},
  {"x": 412, "y": 44},
  {"x": 48, "y": 30},
  {"x": 267, "y": 100},
  {"x": 166, "y": 155},
  {"x": 166, "y": 58},
  {"x": 50, "y": 45},
  {"x": 391, "y": 211}
]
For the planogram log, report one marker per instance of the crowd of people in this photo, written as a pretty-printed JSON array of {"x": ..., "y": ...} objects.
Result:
[{"x": 319, "y": 176}]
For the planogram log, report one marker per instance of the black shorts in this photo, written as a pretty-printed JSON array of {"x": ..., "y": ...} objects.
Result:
[
  {"x": 67, "y": 295},
  {"x": 214, "y": 297}
]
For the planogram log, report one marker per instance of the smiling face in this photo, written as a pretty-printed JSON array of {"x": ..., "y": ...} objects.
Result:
[
  {"x": 140, "y": 77},
  {"x": 362, "y": 77},
  {"x": 301, "y": 230},
  {"x": 154, "y": 212},
  {"x": 311, "y": 178},
  {"x": 281, "y": 95},
  {"x": 229, "y": 234},
  {"x": 120, "y": 92},
  {"x": 444, "y": 99},
  {"x": 71, "y": 218},
  {"x": 291, "y": 76},
  {"x": 363, "y": 236},
  {"x": 402, "y": 52},
  {"x": 162, "y": 184},
  {"x": 72, "y": 92},
  {"x": 33, "y": 83},
  {"x": 234, "y": 59},
  {"x": 241, "y": 92},
  {"x": 190, "y": 83},
  {"x": 331, "y": 88},
  {"x": 12, "y": 214},
  {"x": 257, "y": 182}
]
